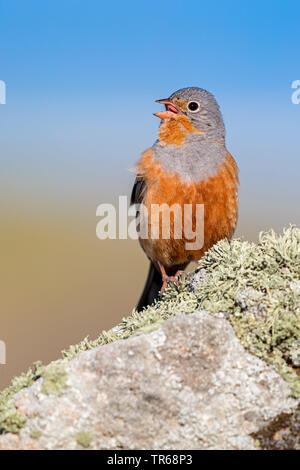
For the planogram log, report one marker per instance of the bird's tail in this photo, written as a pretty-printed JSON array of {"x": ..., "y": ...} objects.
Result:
[{"x": 151, "y": 289}]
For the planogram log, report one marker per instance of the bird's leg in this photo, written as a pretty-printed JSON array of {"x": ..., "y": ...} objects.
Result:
[{"x": 166, "y": 279}]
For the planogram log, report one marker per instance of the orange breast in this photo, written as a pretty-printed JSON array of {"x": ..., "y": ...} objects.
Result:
[{"x": 218, "y": 194}]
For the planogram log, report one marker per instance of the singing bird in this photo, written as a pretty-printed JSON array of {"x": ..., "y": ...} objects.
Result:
[{"x": 188, "y": 164}]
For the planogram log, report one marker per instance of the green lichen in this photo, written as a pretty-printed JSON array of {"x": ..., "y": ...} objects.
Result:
[
  {"x": 35, "y": 433},
  {"x": 55, "y": 379},
  {"x": 10, "y": 418},
  {"x": 84, "y": 439},
  {"x": 255, "y": 286}
]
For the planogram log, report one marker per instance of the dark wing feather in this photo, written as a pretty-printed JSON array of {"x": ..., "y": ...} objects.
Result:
[
  {"x": 137, "y": 197},
  {"x": 138, "y": 191}
]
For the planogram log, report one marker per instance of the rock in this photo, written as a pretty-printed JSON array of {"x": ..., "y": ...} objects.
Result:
[
  {"x": 251, "y": 303},
  {"x": 188, "y": 385},
  {"x": 282, "y": 433}
]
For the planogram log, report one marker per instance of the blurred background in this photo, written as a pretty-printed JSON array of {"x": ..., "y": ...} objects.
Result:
[{"x": 81, "y": 78}]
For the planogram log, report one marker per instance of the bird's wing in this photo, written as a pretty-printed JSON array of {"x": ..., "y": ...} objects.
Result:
[{"x": 138, "y": 191}]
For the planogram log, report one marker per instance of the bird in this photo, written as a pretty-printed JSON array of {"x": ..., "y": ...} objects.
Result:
[{"x": 188, "y": 164}]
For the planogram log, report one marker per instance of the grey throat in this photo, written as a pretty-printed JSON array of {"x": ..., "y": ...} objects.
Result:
[{"x": 198, "y": 158}]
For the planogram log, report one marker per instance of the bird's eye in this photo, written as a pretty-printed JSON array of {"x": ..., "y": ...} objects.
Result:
[{"x": 193, "y": 106}]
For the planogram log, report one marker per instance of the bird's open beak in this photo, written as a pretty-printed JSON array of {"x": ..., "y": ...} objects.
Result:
[{"x": 171, "y": 110}]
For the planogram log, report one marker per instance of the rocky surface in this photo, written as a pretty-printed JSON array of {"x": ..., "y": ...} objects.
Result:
[{"x": 188, "y": 385}]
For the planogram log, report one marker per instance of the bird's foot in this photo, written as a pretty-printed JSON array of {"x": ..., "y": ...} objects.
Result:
[{"x": 166, "y": 279}]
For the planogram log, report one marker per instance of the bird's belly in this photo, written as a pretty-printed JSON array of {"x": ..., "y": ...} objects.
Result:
[{"x": 214, "y": 219}]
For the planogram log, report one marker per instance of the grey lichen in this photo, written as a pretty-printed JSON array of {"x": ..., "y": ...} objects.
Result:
[{"x": 267, "y": 322}]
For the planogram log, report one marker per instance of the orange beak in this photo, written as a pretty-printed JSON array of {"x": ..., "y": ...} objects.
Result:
[{"x": 171, "y": 110}]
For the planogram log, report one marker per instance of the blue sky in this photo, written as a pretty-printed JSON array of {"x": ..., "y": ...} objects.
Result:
[{"x": 82, "y": 77}]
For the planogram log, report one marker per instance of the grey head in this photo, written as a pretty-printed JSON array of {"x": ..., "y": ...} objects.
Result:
[
  {"x": 202, "y": 110},
  {"x": 201, "y": 155}
]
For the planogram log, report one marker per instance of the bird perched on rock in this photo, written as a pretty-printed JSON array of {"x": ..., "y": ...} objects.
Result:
[{"x": 188, "y": 165}]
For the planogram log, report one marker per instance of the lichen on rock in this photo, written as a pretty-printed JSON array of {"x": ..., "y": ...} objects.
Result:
[
  {"x": 35, "y": 433},
  {"x": 84, "y": 439},
  {"x": 54, "y": 379},
  {"x": 253, "y": 286},
  {"x": 187, "y": 385},
  {"x": 10, "y": 419}
]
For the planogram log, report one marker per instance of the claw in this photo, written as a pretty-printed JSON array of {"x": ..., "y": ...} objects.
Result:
[{"x": 166, "y": 279}]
